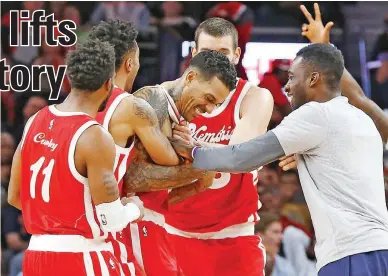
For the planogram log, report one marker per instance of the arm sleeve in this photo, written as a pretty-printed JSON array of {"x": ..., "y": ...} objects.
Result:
[
  {"x": 243, "y": 157},
  {"x": 304, "y": 129}
]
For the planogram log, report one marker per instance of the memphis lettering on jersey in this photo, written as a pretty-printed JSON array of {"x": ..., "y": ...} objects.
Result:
[
  {"x": 39, "y": 138},
  {"x": 200, "y": 134},
  {"x": 27, "y": 30}
]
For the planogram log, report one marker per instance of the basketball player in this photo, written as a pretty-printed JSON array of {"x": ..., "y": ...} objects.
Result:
[
  {"x": 217, "y": 226},
  {"x": 62, "y": 176},
  {"x": 204, "y": 85},
  {"x": 126, "y": 116},
  {"x": 339, "y": 154},
  {"x": 317, "y": 33}
]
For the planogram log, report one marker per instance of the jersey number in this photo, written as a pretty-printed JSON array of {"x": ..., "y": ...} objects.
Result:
[{"x": 35, "y": 168}]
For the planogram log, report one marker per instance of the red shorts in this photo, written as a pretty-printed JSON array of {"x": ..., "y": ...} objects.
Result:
[
  {"x": 122, "y": 250},
  {"x": 45, "y": 263},
  {"x": 152, "y": 249},
  {"x": 214, "y": 257}
]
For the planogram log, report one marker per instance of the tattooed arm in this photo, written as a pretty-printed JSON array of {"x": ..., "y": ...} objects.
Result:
[
  {"x": 143, "y": 176},
  {"x": 146, "y": 126}
]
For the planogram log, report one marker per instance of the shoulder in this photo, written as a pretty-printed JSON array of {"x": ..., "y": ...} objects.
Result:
[
  {"x": 155, "y": 97},
  {"x": 257, "y": 97},
  {"x": 95, "y": 139}
]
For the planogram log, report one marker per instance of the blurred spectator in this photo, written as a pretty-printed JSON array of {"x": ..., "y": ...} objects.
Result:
[
  {"x": 35, "y": 102},
  {"x": 299, "y": 250},
  {"x": 8, "y": 147},
  {"x": 72, "y": 13},
  {"x": 57, "y": 8},
  {"x": 21, "y": 54},
  {"x": 271, "y": 200},
  {"x": 54, "y": 56},
  {"x": 135, "y": 12},
  {"x": 174, "y": 29},
  {"x": 243, "y": 19},
  {"x": 381, "y": 44},
  {"x": 16, "y": 238},
  {"x": 8, "y": 97},
  {"x": 270, "y": 229},
  {"x": 274, "y": 81}
]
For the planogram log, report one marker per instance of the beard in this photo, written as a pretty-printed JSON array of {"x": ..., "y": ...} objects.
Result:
[{"x": 103, "y": 105}]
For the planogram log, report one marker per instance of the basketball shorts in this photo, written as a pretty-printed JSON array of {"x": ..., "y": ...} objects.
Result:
[
  {"x": 152, "y": 249},
  {"x": 46, "y": 263},
  {"x": 374, "y": 263},
  {"x": 122, "y": 251},
  {"x": 243, "y": 255}
]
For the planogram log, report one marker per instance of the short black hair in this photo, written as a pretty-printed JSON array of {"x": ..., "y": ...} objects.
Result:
[
  {"x": 325, "y": 58},
  {"x": 90, "y": 65},
  {"x": 217, "y": 27},
  {"x": 214, "y": 64},
  {"x": 121, "y": 34}
]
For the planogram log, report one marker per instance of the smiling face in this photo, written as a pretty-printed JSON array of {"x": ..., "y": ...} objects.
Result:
[
  {"x": 201, "y": 96},
  {"x": 297, "y": 86}
]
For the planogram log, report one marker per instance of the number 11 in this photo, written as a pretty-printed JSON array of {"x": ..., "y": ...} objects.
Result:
[{"x": 35, "y": 168}]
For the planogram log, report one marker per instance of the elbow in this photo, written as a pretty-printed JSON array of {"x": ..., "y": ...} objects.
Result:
[{"x": 13, "y": 200}]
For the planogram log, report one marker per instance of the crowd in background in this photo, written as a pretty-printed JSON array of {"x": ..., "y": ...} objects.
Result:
[{"x": 285, "y": 223}]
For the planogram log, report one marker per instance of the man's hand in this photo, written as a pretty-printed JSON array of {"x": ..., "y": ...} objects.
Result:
[
  {"x": 315, "y": 31},
  {"x": 135, "y": 200},
  {"x": 287, "y": 162},
  {"x": 182, "y": 132},
  {"x": 182, "y": 148}
]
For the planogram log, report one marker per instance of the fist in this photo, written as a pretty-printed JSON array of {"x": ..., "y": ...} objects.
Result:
[
  {"x": 183, "y": 133},
  {"x": 135, "y": 200}
]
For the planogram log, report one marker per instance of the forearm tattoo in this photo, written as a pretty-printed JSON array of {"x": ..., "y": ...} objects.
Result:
[{"x": 110, "y": 185}]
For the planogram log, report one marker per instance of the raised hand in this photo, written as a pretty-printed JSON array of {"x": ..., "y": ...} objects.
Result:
[{"x": 315, "y": 31}]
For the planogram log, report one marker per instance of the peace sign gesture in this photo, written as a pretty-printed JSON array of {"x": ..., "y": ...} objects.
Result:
[{"x": 315, "y": 31}]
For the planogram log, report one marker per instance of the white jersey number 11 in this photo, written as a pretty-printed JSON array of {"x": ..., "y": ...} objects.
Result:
[{"x": 35, "y": 168}]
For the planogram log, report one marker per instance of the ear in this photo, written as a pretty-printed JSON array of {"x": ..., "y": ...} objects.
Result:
[
  {"x": 128, "y": 64},
  {"x": 237, "y": 55},
  {"x": 194, "y": 51},
  {"x": 191, "y": 75},
  {"x": 109, "y": 84},
  {"x": 315, "y": 76}
]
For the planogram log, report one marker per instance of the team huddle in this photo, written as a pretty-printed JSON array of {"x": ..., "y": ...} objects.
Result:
[{"x": 101, "y": 187}]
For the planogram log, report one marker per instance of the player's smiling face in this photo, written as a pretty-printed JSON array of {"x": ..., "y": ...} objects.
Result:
[
  {"x": 201, "y": 96},
  {"x": 223, "y": 45},
  {"x": 296, "y": 85}
]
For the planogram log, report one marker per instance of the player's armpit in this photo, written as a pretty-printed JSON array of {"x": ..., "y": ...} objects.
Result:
[
  {"x": 15, "y": 180},
  {"x": 356, "y": 96},
  {"x": 95, "y": 155},
  {"x": 256, "y": 111},
  {"x": 143, "y": 176},
  {"x": 147, "y": 128}
]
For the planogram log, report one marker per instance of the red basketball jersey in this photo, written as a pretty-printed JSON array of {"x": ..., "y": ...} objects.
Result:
[
  {"x": 123, "y": 155},
  {"x": 55, "y": 197},
  {"x": 232, "y": 199}
]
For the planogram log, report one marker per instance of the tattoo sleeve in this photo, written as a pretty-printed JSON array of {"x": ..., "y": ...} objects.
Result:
[
  {"x": 146, "y": 177},
  {"x": 157, "y": 99}
]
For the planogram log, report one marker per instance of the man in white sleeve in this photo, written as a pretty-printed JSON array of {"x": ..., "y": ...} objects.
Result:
[{"x": 339, "y": 155}]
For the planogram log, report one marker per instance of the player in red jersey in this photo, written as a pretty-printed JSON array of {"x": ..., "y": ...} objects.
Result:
[
  {"x": 62, "y": 177},
  {"x": 204, "y": 85},
  {"x": 126, "y": 116},
  {"x": 216, "y": 227}
]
